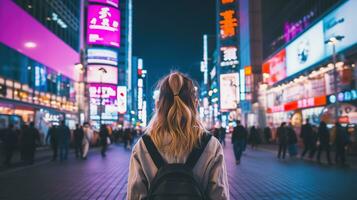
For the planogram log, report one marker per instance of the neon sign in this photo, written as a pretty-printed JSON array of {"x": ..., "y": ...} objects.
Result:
[{"x": 228, "y": 24}]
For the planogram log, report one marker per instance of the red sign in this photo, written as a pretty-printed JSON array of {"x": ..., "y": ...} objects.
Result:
[
  {"x": 303, "y": 103},
  {"x": 275, "y": 68}
]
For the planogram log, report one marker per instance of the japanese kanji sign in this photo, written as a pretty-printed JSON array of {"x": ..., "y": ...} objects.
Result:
[
  {"x": 228, "y": 24},
  {"x": 103, "y": 26}
]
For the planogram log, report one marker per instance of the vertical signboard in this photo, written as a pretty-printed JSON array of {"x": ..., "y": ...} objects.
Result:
[
  {"x": 229, "y": 92},
  {"x": 228, "y": 35}
]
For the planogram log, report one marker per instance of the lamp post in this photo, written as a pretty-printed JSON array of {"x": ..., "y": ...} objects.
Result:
[
  {"x": 102, "y": 71},
  {"x": 333, "y": 41}
]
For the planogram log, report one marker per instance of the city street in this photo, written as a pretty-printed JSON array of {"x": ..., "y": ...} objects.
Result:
[{"x": 260, "y": 176}]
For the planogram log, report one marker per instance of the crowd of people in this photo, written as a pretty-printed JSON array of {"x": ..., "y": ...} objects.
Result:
[
  {"x": 26, "y": 138},
  {"x": 59, "y": 138},
  {"x": 316, "y": 140}
]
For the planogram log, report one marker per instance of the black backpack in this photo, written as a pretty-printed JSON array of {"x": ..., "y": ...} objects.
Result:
[{"x": 175, "y": 181}]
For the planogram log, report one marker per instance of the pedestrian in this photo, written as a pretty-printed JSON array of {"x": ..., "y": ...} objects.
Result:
[
  {"x": 29, "y": 139},
  {"x": 292, "y": 141},
  {"x": 341, "y": 140},
  {"x": 10, "y": 141},
  {"x": 253, "y": 137},
  {"x": 307, "y": 136},
  {"x": 239, "y": 136},
  {"x": 222, "y": 135},
  {"x": 52, "y": 138},
  {"x": 282, "y": 134},
  {"x": 64, "y": 135},
  {"x": 87, "y": 138},
  {"x": 267, "y": 134},
  {"x": 127, "y": 138},
  {"x": 176, "y": 149},
  {"x": 215, "y": 132},
  {"x": 78, "y": 139},
  {"x": 21, "y": 139},
  {"x": 104, "y": 134},
  {"x": 323, "y": 137}
]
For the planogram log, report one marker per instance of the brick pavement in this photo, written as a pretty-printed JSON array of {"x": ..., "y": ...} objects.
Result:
[{"x": 260, "y": 176}]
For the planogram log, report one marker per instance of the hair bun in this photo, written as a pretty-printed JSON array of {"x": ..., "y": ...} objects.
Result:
[{"x": 175, "y": 83}]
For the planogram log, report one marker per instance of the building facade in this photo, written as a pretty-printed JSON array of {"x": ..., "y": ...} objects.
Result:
[
  {"x": 39, "y": 51},
  {"x": 313, "y": 76}
]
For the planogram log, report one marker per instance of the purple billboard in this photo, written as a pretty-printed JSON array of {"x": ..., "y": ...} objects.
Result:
[
  {"x": 109, "y": 2},
  {"x": 103, "y": 26}
]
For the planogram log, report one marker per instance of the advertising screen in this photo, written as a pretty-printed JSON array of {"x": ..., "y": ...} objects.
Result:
[
  {"x": 103, "y": 26},
  {"x": 341, "y": 22},
  {"x": 102, "y": 56},
  {"x": 108, "y": 99},
  {"x": 102, "y": 74},
  {"x": 122, "y": 99},
  {"x": 229, "y": 91},
  {"x": 109, "y": 2},
  {"x": 306, "y": 50},
  {"x": 276, "y": 67}
]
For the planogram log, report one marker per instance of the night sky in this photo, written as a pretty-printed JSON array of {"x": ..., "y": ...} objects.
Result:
[{"x": 168, "y": 35}]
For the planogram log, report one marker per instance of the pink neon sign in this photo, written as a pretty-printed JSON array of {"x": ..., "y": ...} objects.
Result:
[{"x": 103, "y": 26}]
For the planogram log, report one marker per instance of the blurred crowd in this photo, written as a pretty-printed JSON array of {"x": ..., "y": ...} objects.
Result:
[{"x": 26, "y": 139}]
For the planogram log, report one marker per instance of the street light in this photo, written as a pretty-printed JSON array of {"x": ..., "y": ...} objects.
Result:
[
  {"x": 102, "y": 71},
  {"x": 333, "y": 41}
]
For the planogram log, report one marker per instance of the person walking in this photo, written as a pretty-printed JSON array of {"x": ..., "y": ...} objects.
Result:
[
  {"x": 127, "y": 137},
  {"x": 323, "y": 137},
  {"x": 222, "y": 135},
  {"x": 282, "y": 135},
  {"x": 253, "y": 137},
  {"x": 52, "y": 138},
  {"x": 78, "y": 139},
  {"x": 239, "y": 136},
  {"x": 10, "y": 141},
  {"x": 87, "y": 138},
  {"x": 64, "y": 138},
  {"x": 176, "y": 151},
  {"x": 267, "y": 134},
  {"x": 307, "y": 137},
  {"x": 341, "y": 140},
  {"x": 104, "y": 134},
  {"x": 292, "y": 141},
  {"x": 29, "y": 139}
]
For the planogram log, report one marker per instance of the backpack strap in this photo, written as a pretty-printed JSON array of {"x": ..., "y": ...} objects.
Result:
[
  {"x": 154, "y": 153},
  {"x": 197, "y": 151}
]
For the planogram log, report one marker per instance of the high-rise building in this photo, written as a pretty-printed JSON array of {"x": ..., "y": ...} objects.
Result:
[
  {"x": 108, "y": 49},
  {"x": 39, "y": 50}
]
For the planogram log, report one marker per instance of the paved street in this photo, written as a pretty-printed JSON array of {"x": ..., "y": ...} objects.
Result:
[{"x": 260, "y": 176}]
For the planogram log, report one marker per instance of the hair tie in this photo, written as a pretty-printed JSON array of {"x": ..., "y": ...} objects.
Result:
[{"x": 176, "y": 95}]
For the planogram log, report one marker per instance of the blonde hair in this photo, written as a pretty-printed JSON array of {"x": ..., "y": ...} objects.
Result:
[{"x": 176, "y": 114}]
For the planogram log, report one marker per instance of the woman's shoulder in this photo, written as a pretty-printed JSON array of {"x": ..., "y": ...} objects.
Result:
[{"x": 213, "y": 145}]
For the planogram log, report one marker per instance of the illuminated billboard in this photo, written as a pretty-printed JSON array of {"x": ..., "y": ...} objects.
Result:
[
  {"x": 306, "y": 50},
  {"x": 122, "y": 99},
  {"x": 103, "y": 26},
  {"x": 114, "y": 3},
  {"x": 102, "y": 56},
  {"x": 229, "y": 91},
  {"x": 342, "y": 22},
  {"x": 275, "y": 67},
  {"x": 102, "y": 74},
  {"x": 106, "y": 95}
]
